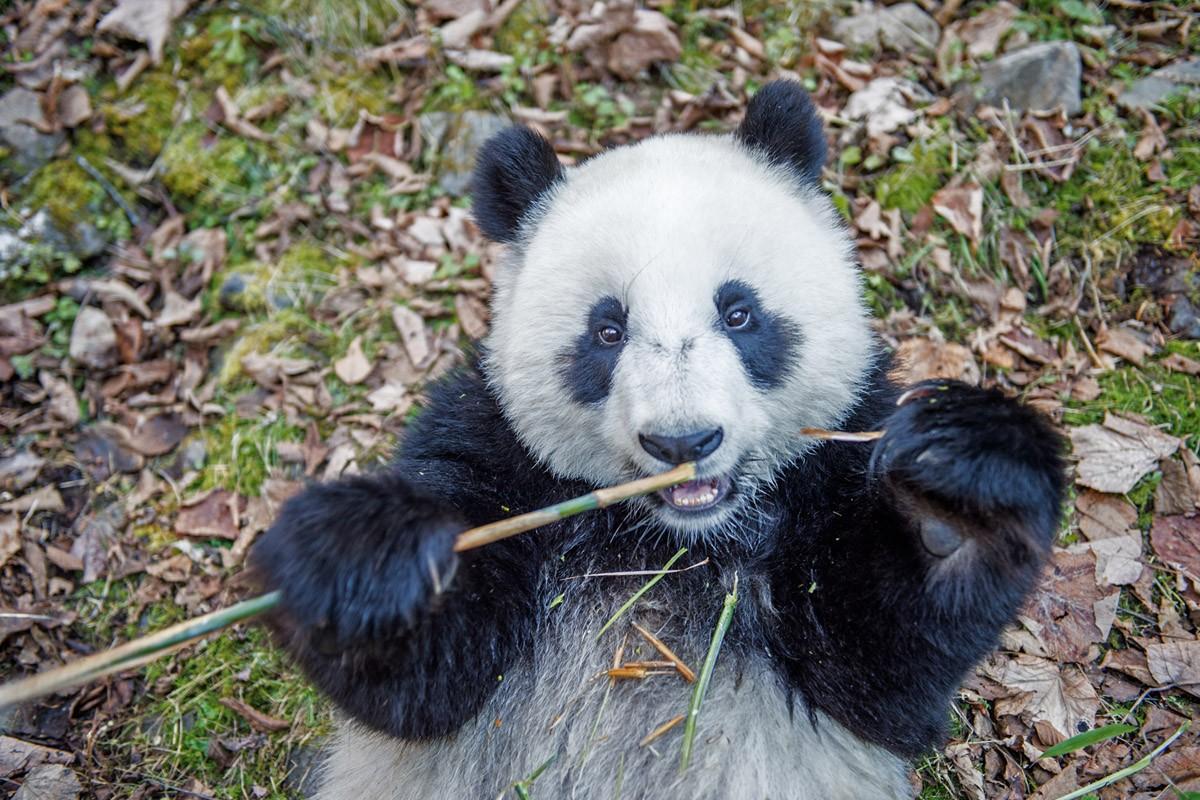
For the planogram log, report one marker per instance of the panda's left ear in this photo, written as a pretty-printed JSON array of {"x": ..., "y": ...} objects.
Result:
[
  {"x": 514, "y": 169},
  {"x": 782, "y": 123}
]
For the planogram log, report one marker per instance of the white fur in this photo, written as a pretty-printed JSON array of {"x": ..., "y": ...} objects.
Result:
[
  {"x": 748, "y": 745},
  {"x": 661, "y": 225}
]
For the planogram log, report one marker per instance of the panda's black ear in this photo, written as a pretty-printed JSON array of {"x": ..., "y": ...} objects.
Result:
[
  {"x": 782, "y": 122},
  {"x": 513, "y": 170}
]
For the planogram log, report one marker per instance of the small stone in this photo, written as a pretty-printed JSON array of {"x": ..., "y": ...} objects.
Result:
[
  {"x": 231, "y": 291},
  {"x": 901, "y": 27},
  {"x": 29, "y": 148},
  {"x": 93, "y": 339},
  {"x": 1160, "y": 85},
  {"x": 1040, "y": 77},
  {"x": 457, "y": 139},
  {"x": 49, "y": 782},
  {"x": 1184, "y": 320},
  {"x": 83, "y": 240}
]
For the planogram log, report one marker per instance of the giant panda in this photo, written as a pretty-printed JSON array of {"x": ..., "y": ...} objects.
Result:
[{"x": 683, "y": 298}]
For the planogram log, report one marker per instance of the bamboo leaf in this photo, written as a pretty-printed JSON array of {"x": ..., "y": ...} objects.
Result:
[{"x": 1088, "y": 738}]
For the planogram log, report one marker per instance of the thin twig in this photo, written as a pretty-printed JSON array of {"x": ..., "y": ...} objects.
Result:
[
  {"x": 683, "y": 668},
  {"x": 135, "y": 219},
  {"x": 700, "y": 688},
  {"x": 141, "y": 651},
  {"x": 647, "y": 586},
  {"x": 660, "y": 730},
  {"x": 842, "y": 436}
]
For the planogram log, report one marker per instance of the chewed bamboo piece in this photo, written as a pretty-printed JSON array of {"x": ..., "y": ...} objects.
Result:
[
  {"x": 842, "y": 436},
  {"x": 146, "y": 649}
]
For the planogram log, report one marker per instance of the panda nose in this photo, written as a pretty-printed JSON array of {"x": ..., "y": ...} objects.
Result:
[{"x": 678, "y": 449}]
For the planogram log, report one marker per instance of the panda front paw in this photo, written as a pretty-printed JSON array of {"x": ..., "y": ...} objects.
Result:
[
  {"x": 356, "y": 560},
  {"x": 965, "y": 460}
]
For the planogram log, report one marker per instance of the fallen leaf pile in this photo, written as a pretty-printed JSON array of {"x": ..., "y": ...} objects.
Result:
[{"x": 235, "y": 247}]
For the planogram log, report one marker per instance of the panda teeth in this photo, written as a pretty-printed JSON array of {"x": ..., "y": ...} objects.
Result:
[{"x": 695, "y": 494}]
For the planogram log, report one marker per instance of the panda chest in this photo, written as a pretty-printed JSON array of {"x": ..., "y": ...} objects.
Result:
[{"x": 603, "y": 714}]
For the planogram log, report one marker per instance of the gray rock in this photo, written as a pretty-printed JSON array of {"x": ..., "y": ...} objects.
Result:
[
  {"x": 10, "y": 247},
  {"x": 84, "y": 240},
  {"x": 93, "y": 339},
  {"x": 49, "y": 782},
  {"x": 1184, "y": 320},
  {"x": 901, "y": 27},
  {"x": 1161, "y": 85},
  {"x": 456, "y": 138},
  {"x": 28, "y": 147},
  {"x": 1037, "y": 78}
]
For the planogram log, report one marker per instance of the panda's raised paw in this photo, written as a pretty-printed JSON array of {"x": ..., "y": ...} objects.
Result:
[
  {"x": 972, "y": 452},
  {"x": 361, "y": 558}
]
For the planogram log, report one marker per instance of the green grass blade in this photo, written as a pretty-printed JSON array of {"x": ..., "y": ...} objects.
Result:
[
  {"x": 1088, "y": 738},
  {"x": 647, "y": 586},
  {"x": 701, "y": 686},
  {"x": 1135, "y": 767}
]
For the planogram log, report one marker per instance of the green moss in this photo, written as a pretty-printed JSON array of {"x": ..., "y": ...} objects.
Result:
[
  {"x": 67, "y": 192},
  {"x": 1166, "y": 398},
  {"x": 143, "y": 119},
  {"x": 910, "y": 186},
  {"x": 177, "y": 724},
  {"x": 241, "y": 452},
  {"x": 282, "y": 327}
]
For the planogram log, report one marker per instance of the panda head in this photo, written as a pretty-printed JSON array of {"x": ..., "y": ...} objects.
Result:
[{"x": 685, "y": 298}]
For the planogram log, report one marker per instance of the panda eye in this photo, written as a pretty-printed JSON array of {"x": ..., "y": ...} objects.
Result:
[
  {"x": 737, "y": 318},
  {"x": 610, "y": 335}
]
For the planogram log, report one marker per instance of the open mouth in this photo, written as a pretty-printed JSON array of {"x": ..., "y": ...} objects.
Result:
[{"x": 698, "y": 495}]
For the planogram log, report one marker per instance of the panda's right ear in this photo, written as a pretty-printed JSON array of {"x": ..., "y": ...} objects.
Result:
[{"x": 514, "y": 169}]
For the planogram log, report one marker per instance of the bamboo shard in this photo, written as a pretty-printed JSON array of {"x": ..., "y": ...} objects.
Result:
[
  {"x": 842, "y": 436},
  {"x": 146, "y": 649}
]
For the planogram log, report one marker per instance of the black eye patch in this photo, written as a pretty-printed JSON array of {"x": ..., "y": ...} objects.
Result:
[
  {"x": 767, "y": 343},
  {"x": 587, "y": 368}
]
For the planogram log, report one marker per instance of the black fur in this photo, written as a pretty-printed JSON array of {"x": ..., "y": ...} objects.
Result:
[
  {"x": 767, "y": 345},
  {"x": 514, "y": 170},
  {"x": 782, "y": 122},
  {"x": 864, "y": 622},
  {"x": 587, "y": 369}
]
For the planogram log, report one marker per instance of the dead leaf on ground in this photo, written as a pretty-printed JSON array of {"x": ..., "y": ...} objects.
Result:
[
  {"x": 962, "y": 207},
  {"x": 157, "y": 435},
  {"x": 214, "y": 515},
  {"x": 412, "y": 333},
  {"x": 1065, "y": 605},
  {"x": 1180, "y": 363},
  {"x": 1045, "y": 691},
  {"x": 147, "y": 21},
  {"x": 925, "y": 359},
  {"x": 1176, "y": 540},
  {"x": 1174, "y": 663},
  {"x": 49, "y": 782},
  {"x": 1124, "y": 343},
  {"x": 1102, "y": 516},
  {"x": 354, "y": 367},
  {"x": 17, "y": 756},
  {"x": 10, "y": 537},
  {"x": 44, "y": 498},
  {"x": 1179, "y": 490},
  {"x": 1114, "y": 456}
]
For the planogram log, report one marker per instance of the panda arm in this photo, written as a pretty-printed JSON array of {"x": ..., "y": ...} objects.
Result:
[
  {"x": 400, "y": 632},
  {"x": 924, "y": 549}
]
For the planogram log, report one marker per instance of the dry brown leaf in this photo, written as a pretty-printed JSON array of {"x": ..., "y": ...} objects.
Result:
[
  {"x": 1125, "y": 344},
  {"x": 43, "y": 498},
  {"x": 1179, "y": 490},
  {"x": 157, "y": 435},
  {"x": 962, "y": 207},
  {"x": 652, "y": 39},
  {"x": 1065, "y": 606},
  {"x": 412, "y": 333},
  {"x": 214, "y": 515},
  {"x": 1176, "y": 540},
  {"x": 177, "y": 310},
  {"x": 1045, "y": 691},
  {"x": 1118, "y": 562},
  {"x": 1152, "y": 140},
  {"x": 926, "y": 359},
  {"x": 354, "y": 367},
  {"x": 1102, "y": 516},
  {"x": 1174, "y": 663},
  {"x": 10, "y": 537},
  {"x": 17, "y": 756},
  {"x": 1179, "y": 363},
  {"x": 1114, "y": 456},
  {"x": 147, "y": 21}
]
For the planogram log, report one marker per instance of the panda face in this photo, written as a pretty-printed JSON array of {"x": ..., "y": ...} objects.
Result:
[{"x": 681, "y": 299}]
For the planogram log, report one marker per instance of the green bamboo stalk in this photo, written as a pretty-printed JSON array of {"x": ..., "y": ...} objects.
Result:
[
  {"x": 146, "y": 649},
  {"x": 700, "y": 688}
]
